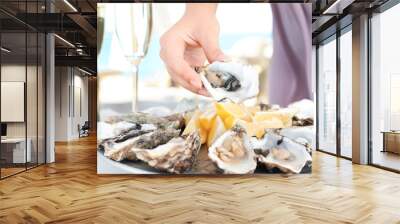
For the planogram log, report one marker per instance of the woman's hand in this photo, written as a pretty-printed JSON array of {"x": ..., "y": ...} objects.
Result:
[{"x": 192, "y": 40}]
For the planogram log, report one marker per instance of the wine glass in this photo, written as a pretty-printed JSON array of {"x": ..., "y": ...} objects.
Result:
[
  {"x": 133, "y": 23},
  {"x": 100, "y": 26}
]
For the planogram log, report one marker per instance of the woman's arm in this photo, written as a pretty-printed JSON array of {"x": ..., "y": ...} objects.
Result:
[{"x": 187, "y": 44}]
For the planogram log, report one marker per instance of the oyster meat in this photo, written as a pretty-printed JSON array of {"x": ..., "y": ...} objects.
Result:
[
  {"x": 278, "y": 151},
  {"x": 231, "y": 80},
  {"x": 223, "y": 80},
  {"x": 176, "y": 156},
  {"x": 232, "y": 152}
]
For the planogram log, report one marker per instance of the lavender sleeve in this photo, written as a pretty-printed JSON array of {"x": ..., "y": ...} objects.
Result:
[{"x": 290, "y": 71}]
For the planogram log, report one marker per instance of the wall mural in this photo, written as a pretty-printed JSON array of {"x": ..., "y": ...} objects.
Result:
[{"x": 220, "y": 95}]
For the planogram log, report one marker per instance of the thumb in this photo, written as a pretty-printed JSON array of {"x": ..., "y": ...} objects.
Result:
[{"x": 212, "y": 50}]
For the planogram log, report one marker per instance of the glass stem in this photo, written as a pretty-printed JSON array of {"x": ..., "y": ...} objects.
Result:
[{"x": 135, "y": 74}]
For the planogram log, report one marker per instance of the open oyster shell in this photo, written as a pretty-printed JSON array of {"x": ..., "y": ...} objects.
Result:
[
  {"x": 230, "y": 80},
  {"x": 304, "y": 112},
  {"x": 304, "y": 135},
  {"x": 232, "y": 152},
  {"x": 176, "y": 156},
  {"x": 278, "y": 151}
]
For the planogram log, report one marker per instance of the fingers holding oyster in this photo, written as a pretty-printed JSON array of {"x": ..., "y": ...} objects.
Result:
[{"x": 190, "y": 43}]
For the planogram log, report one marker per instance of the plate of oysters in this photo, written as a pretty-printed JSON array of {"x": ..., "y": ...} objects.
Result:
[{"x": 223, "y": 136}]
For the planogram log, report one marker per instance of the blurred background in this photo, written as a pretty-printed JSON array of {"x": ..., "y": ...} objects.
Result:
[{"x": 245, "y": 35}]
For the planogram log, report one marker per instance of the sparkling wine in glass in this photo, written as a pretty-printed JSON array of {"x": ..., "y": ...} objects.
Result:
[
  {"x": 133, "y": 23},
  {"x": 100, "y": 26}
]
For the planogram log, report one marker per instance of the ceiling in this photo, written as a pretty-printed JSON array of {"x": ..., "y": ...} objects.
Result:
[
  {"x": 74, "y": 22},
  {"x": 332, "y": 15}
]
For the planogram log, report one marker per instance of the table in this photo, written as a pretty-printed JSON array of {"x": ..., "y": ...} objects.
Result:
[
  {"x": 16, "y": 154},
  {"x": 391, "y": 141}
]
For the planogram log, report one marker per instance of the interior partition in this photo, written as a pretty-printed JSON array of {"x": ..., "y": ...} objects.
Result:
[{"x": 23, "y": 88}]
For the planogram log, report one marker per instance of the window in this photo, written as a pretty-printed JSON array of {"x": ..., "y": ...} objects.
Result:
[
  {"x": 346, "y": 94},
  {"x": 327, "y": 97},
  {"x": 385, "y": 89}
]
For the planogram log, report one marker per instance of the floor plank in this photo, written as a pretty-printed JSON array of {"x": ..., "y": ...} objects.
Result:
[{"x": 70, "y": 191}]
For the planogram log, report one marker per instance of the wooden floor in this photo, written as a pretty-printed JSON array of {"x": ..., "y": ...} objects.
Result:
[
  {"x": 70, "y": 191},
  {"x": 10, "y": 171}
]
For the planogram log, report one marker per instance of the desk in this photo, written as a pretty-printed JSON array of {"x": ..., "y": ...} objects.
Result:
[
  {"x": 391, "y": 141},
  {"x": 16, "y": 154}
]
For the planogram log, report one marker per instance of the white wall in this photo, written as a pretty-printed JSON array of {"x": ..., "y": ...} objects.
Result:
[
  {"x": 61, "y": 103},
  {"x": 71, "y": 102},
  {"x": 12, "y": 73},
  {"x": 33, "y": 126}
]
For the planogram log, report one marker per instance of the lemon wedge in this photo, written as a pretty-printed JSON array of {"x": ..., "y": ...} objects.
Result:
[
  {"x": 228, "y": 109},
  {"x": 217, "y": 129},
  {"x": 206, "y": 118},
  {"x": 285, "y": 117}
]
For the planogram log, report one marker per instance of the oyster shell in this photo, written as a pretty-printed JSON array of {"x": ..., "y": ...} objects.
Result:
[
  {"x": 176, "y": 156},
  {"x": 124, "y": 131},
  {"x": 302, "y": 121},
  {"x": 304, "y": 115},
  {"x": 176, "y": 121},
  {"x": 124, "y": 146},
  {"x": 266, "y": 107},
  {"x": 232, "y": 152},
  {"x": 304, "y": 135},
  {"x": 111, "y": 130},
  {"x": 230, "y": 80},
  {"x": 281, "y": 152},
  {"x": 305, "y": 108}
]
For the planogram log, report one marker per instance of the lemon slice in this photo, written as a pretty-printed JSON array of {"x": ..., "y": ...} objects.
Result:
[
  {"x": 257, "y": 129},
  {"x": 206, "y": 118},
  {"x": 229, "y": 122},
  {"x": 253, "y": 110},
  {"x": 228, "y": 109},
  {"x": 217, "y": 129},
  {"x": 285, "y": 117},
  {"x": 194, "y": 125}
]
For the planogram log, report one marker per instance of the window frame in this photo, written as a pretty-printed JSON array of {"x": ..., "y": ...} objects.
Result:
[
  {"x": 334, "y": 37},
  {"x": 371, "y": 14}
]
